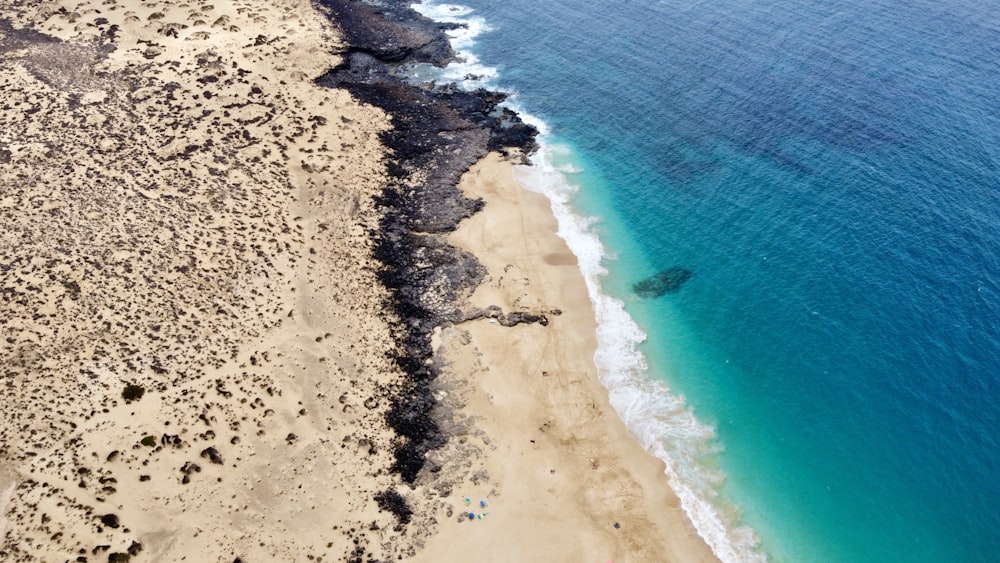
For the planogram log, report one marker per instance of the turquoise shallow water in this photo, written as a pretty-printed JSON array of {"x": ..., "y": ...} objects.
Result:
[{"x": 829, "y": 172}]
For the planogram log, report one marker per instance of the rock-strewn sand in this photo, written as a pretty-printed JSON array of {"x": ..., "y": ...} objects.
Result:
[
  {"x": 190, "y": 215},
  {"x": 187, "y": 216}
]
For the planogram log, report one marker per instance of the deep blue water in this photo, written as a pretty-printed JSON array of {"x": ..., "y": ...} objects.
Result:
[{"x": 830, "y": 173}]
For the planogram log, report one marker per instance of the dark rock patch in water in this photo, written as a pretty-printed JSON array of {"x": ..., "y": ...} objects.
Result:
[{"x": 662, "y": 283}]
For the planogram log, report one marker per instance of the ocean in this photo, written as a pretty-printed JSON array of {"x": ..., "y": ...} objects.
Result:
[{"x": 822, "y": 382}]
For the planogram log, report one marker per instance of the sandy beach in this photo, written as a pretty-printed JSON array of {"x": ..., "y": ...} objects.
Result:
[
  {"x": 201, "y": 356},
  {"x": 562, "y": 468}
]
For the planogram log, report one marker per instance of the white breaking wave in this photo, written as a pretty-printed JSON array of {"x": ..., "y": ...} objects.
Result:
[
  {"x": 658, "y": 419},
  {"x": 467, "y": 72},
  {"x": 569, "y": 169}
]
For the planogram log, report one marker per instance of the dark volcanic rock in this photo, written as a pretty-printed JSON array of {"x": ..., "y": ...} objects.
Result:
[
  {"x": 133, "y": 392},
  {"x": 189, "y": 468},
  {"x": 13, "y": 38},
  {"x": 663, "y": 282},
  {"x": 437, "y": 134},
  {"x": 391, "y": 31},
  {"x": 212, "y": 454},
  {"x": 110, "y": 520},
  {"x": 391, "y": 501},
  {"x": 513, "y": 318}
]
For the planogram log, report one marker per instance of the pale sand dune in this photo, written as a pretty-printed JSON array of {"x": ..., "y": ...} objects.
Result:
[
  {"x": 558, "y": 467},
  {"x": 191, "y": 214}
]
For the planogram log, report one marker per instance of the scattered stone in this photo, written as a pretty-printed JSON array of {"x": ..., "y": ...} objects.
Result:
[
  {"x": 212, "y": 454},
  {"x": 190, "y": 467},
  {"x": 139, "y": 270},
  {"x": 391, "y": 501}
]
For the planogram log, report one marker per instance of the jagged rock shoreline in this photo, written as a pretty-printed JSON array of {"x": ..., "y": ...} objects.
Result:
[
  {"x": 239, "y": 322},
  {"x": 437, "y": 134}
]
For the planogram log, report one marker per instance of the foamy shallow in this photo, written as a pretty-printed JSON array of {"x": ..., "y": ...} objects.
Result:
[
  {"x": 467, "y": 72},
  {"x": 659, "y": 420}
]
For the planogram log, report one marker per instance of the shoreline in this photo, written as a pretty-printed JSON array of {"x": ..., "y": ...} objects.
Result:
[
  {"x": 436, "y": 134},
  {"x": 195, "y": 340},
  {"x": 558, "y": 455},
  {"x": 244, "y": 294},
  {"x": 371, "y": 80}
]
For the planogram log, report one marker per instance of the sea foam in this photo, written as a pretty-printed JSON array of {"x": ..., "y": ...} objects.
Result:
[
  {"x": 467, "y": 71},
  {"x": 658, "y": 419},
  {"x": 661, "y": 421}
]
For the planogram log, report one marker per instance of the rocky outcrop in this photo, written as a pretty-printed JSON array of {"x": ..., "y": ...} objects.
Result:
[
  {"x": 390, "y": 31},
  {"x": 437, "y": 134},
  {"x": 512, "y": 318}
]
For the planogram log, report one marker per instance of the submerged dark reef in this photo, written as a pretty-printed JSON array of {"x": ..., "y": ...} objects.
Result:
[
  {"x": 663, "y": 282},
  {"x": 437, "y": 133}
]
